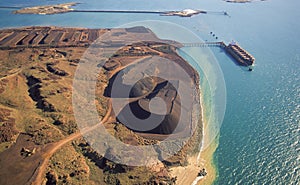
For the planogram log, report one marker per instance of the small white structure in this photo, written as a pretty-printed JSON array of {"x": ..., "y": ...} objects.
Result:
[{"x": 190, "y": 11}]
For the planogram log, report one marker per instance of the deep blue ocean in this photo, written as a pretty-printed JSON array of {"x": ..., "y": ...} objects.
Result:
[{"x": 260, "y": 132}]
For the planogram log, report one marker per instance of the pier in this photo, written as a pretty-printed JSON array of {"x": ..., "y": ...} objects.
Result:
[
  {"x": 240, "y": 55},
  {"x": 205, "y": 44},
  {"x": 119, "y": 11},
  {"x": 10, "y": 7},
  {"x": 181, "y": 13}
]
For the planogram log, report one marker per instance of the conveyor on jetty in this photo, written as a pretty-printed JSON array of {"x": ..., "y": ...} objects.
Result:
[
  {"x": 205, "y": 44},
  {"x": 240, "y": 55},
  {"x": 119, "y": 11}
]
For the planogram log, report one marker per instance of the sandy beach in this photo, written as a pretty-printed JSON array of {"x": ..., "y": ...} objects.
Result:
[
  {"x": 188, "y": 174},
  {"x": 204, "y": 159}
]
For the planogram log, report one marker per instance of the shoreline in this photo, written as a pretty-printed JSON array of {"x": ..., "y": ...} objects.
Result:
[
  {"x": 204, "y": 159},
  {"x": 59, "y": 58},
  {"x": 205, "y": 156},
  {"x": 186, "y": 174}
]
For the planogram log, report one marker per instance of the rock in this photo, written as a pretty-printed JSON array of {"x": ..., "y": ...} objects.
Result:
[
  {"x": 7, "y": 132},
  {"x": 56, "y": 71},
  {"x": 52, "y": 178}
]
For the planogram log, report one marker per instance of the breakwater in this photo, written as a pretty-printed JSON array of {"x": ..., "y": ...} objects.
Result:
[
  {"x": 65, "y": 8},
  {"x": 119, "y": 11}
]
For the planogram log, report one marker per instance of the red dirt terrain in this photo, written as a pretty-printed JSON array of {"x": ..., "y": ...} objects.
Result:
[{"x": 40, "y": 142}]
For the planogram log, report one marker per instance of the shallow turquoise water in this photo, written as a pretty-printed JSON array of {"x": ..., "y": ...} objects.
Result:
[{"x": 259, "y": 137}]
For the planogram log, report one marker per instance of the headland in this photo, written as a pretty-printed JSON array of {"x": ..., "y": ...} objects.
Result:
[
  {"x": 47, "y": 9},
  {"x": 39, "y": 129}
]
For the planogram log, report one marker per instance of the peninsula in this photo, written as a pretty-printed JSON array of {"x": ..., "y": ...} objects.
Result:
[
  {"x": 37, "y": 125},
  {"x": 47, "y": 9}
]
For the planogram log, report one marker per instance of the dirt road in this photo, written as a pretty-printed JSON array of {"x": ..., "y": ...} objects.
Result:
[{"x": 40, "y": 172}]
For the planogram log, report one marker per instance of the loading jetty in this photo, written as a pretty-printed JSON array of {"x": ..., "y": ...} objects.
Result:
[
  {"x": 240, "y": 55},
  {"x": 183, "y": 13}
]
